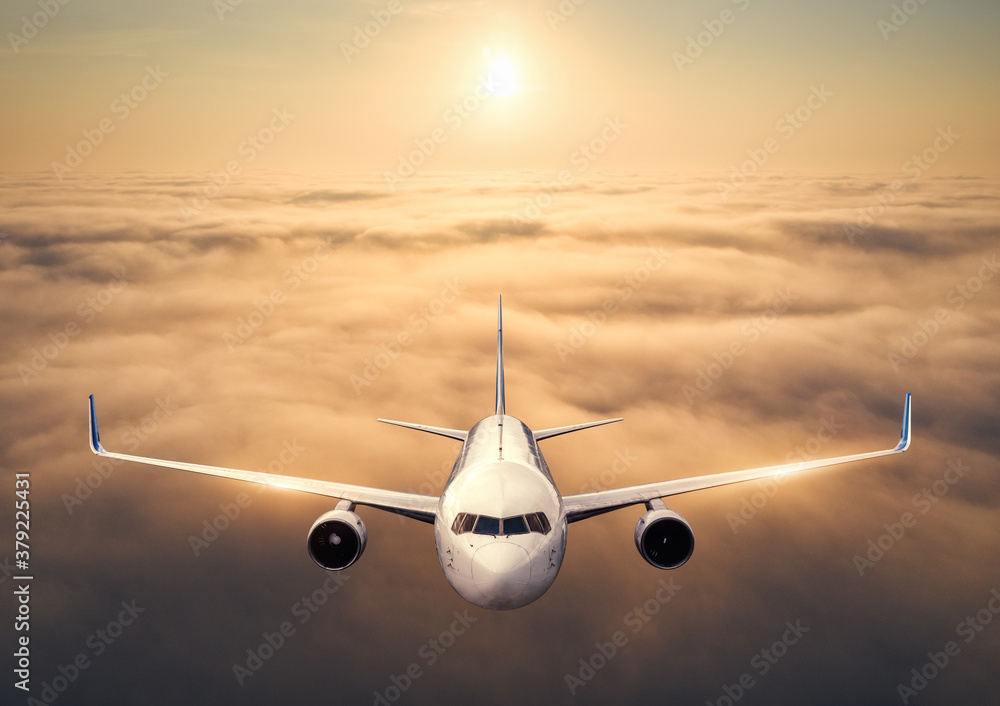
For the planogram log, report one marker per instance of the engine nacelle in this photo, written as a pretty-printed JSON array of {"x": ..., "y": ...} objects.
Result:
[
  {"x": 664, "y": 538},
  {"x": 337, "y": 539}
]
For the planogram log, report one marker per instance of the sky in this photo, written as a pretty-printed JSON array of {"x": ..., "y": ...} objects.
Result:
[
  {"x": 697, "y": 84},
  {"x": 250, "y": 229}
]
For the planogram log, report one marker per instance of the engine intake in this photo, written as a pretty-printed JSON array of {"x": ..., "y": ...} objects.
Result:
[
  {"x": 664, "y": 538},
  {"x": 337, "y": 539}
]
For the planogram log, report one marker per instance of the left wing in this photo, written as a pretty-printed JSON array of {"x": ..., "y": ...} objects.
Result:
[
  {"x": 580, "y": 507},
  {"x": 419, "y": 507}
]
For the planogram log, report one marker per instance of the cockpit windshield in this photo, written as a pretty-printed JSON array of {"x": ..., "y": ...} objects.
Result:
[
  {"x": 495, "y": 526},
  {"x": 487, "y": 525},
  {"x": 515, "y": 525}
]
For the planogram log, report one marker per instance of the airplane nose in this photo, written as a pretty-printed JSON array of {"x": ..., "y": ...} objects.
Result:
[{"x": 501, "y": 569}]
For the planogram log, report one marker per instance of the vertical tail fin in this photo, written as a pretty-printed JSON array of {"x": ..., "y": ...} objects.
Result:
[{"x": 500, "y": 396}]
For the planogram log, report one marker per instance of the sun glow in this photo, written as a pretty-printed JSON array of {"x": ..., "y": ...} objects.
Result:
[{"x": 501, "y": 75}]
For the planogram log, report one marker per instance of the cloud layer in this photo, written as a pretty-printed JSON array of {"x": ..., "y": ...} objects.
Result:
[{"x": 225, "y": 325}]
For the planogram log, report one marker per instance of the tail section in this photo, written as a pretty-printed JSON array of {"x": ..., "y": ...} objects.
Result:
[
  {"x": 500, "y": 405},
  {"x": 500, "y": 397}
]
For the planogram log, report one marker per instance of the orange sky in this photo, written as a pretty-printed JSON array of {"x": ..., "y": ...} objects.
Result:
[
  {"x": 696, "y": 86},
  {"x": 215, "y": 218}
]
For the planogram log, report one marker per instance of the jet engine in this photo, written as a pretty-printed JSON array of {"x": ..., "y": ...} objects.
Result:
[
  {"x": 337, "y": 539},
  {"x": 664, "y": 538}
]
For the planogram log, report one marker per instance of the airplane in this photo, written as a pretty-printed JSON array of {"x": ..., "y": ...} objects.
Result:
[{"x": 500, "y": 524}]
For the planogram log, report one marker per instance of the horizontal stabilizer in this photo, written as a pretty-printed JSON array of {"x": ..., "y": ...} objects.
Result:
[
  {"x": 556, "y": 431},
  {"x": 441, "y": 431}
]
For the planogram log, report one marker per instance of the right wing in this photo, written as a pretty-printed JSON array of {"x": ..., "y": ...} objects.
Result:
[
  {"x": 419, "y": 507},
  {"x": 580, "y": 507}
]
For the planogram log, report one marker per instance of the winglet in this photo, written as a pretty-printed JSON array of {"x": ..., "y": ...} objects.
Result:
[
  {"x": 904, "y": 437},
  {"x": 95, "y": 437},
  {"x": 500, "y": 396}
]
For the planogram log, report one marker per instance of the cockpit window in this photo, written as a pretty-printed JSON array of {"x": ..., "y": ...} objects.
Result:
[
  {"x": 515, "y": 525},
  {"x": 487, "y": 525},
  {"x": 468, "y": 523},
  {"x": 483, "y": 524},
  {"x": 538, "y": 522},
  {"x": 464, "y": 522}
]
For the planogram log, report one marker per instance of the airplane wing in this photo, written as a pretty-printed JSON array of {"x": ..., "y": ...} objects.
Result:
[
  {"x": 419, "y": 507},
  {"x": 580, "y": 507}
]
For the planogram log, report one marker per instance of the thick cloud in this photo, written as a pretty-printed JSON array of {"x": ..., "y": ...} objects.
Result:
[{"x": 226, "y": 325}]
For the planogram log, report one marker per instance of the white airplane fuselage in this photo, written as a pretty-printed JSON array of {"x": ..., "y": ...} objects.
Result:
[{"x": 501, "y": 475}]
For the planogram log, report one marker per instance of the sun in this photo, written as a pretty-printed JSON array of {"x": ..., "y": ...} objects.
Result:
[{"x": 501, "y": 76}]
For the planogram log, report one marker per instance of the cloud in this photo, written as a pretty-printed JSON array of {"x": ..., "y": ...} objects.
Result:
[{"x": 253, "y": 319}]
